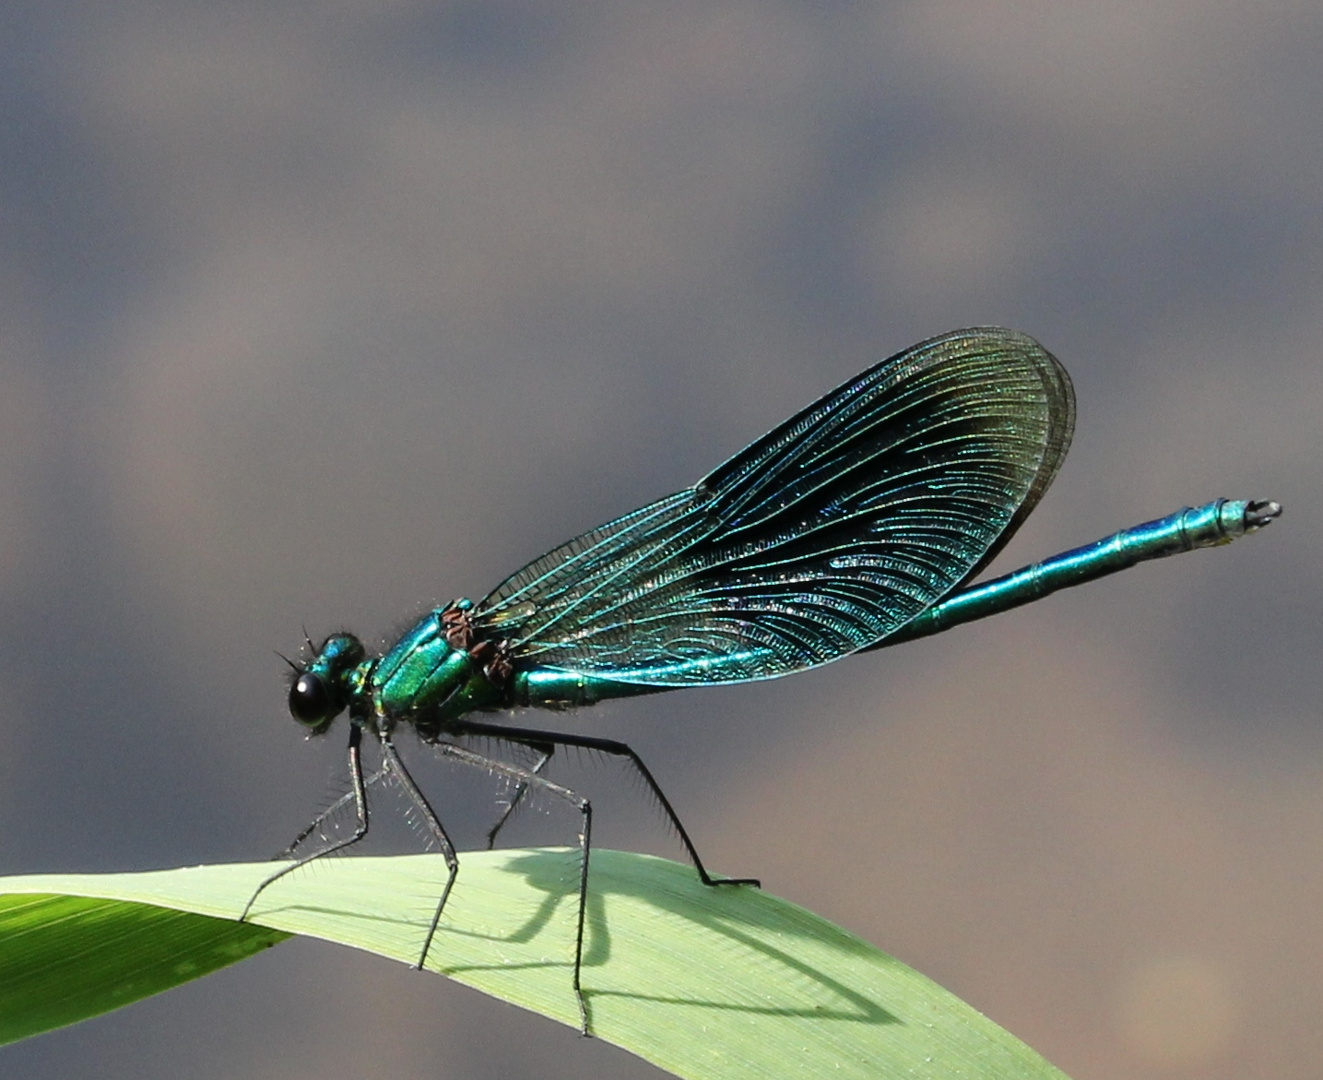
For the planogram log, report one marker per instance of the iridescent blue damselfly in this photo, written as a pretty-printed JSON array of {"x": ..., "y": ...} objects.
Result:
[{"x": 858, "y": 523}]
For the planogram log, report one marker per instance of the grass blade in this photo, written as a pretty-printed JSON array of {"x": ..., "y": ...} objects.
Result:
[{"x": 704, "y": 982}]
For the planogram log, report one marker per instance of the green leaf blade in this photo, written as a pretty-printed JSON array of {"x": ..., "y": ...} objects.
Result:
[
  {"x": 65, "y": 958},
  {"x": 704, "y": 982}
]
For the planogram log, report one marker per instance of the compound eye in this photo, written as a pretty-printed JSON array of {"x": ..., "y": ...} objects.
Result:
[{"x": 309, "y": 700}]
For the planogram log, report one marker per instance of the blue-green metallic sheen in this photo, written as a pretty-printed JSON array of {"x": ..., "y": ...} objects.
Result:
[
  {"x": 1216, "y": 523},
  {"x": 856, "y": 524},
  {"x": 424, "y": 672}
]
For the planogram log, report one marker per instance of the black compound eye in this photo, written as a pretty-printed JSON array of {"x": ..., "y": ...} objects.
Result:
[{"x": 309, "y": 700}]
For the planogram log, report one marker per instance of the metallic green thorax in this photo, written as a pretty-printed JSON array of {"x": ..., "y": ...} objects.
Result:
[
  {"x": 430, "y": 680},
  {"x": 425, "y": 676}
]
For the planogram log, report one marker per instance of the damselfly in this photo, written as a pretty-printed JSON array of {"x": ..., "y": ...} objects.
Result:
[{"x": 858, "y": 523}]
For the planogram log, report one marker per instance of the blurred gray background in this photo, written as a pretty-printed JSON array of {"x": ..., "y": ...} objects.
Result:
[{"x": 319, "y": 314}]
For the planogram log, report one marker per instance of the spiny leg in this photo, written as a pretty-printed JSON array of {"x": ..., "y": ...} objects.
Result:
[
  {"x": 330, "y": 811},
  {"x": 392, "y": 761},
  {"x": 533, "y": 737},
  {"x": 359, "y": 795},
  {"x": 544, "y": 750},
  {"x": 529, "y": 778}
]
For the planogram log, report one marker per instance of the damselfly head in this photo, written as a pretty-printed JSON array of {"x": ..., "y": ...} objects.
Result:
[{"x": 320, "y": 690}]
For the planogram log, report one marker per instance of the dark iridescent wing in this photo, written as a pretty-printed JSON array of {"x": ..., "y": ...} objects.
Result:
[{"x": 819, "y": 539}]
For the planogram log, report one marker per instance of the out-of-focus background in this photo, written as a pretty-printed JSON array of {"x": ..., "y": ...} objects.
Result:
[{"x": 319, "y": 314}]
